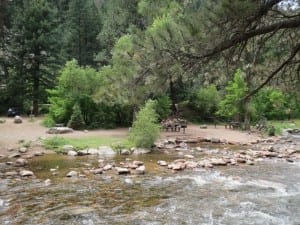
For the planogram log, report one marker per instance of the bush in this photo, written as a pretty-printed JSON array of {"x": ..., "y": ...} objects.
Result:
[
  {"x": 205, "y": 102},
  {"x": 272, "y": 104},
  {"x": 145, "y": 129},
  {"x": 48, "y": 121},
  {"x": 76, "y": 122},
  {"x": 54, "y": 143},
  {"x": 232, "y": 106}
]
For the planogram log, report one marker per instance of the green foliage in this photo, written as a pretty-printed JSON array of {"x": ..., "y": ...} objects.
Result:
[
  {"x": 163, "y": 107},
  {"x": 205, "y": 101},
  {"x": 231, "y": 107},
  {"x": 272, "y": 103},
  {"x": 48, "y": 121},
  {"x": 56, "y": 143},
  {"x": 75, "y": 85},
  {"x": 76, "y": 122},
  {"x": 145, "y": 129}
]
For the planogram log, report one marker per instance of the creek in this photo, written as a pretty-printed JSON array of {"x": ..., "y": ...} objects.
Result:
[{"x": 266, "y": 193}]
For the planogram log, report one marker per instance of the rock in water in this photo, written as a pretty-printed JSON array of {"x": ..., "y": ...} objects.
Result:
[
  {"x": 72, "y": 174},
  {"x": 21, "y": 162},
  {"x": 26, "y": 173},
  {"x": 121, "y": 170}
]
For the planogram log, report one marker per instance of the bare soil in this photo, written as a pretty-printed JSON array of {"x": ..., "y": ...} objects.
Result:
[{"x": 12, "y": 134}]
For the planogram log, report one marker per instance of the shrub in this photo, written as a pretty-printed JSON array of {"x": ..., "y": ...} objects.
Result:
[
  {"x": 205, "y": 102},
  {"x": 232, "y": 106},
  {"x": 76, "y": 122},
  {"x": 145, "y": 129},
  {"x": 48, "y": 121},
  {"x": 272, "y": 103}
]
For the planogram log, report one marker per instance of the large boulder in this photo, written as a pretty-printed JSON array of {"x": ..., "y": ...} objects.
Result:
[
  {"x": 59, "y": 130},
  {"x": 18, "y": 119}
]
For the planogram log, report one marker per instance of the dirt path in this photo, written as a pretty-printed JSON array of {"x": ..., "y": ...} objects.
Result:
[{"x": 11, "y": 134}]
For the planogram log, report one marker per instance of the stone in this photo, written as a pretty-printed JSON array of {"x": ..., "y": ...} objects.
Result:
[
  {"x": 125, "y": 152},
  {"x": 162, "y": 163},
  {"x": 92, "y": 151},
  {"x": 121, "y": 170},
  {"x": 11, "y": 174},
  {"x": 179, "y": 161},
  {"x": 141, "y": 169},
  {"x": 106, "y": 151},
  {"x": 183, "y": 146},
  {"x": 191, "y": 164},
  {"x": 72, "y": 174},
  {"x": 269, "y": 154},
  {"x": 28, "y": 156},
  {"x": 83, "y": 152},
  {"x": 241, "y": 160},
  {"x": 218, "y": 162},
  {"x": 67, "y": 148},
  {"x": 138, "y": 163},
  {"x": 23, "y": 150},
  {"x": 107, "y": 167},
  {"x": 21, "y": 162},
  {"x": 47, "y": 182},
  {"x": 204, "y": 126},
  {"x": 72, "y": 153},
  {"x": 14, "y": 155},
  {"x": 140, "y": 151},
  {"x": 189, "y": 156},
  {"x": 2, "y": 156},
  {"x": 38, "y": 153},
  {"x": 59, "y": 130},
  {"x": 289, "y": 160},
  {"x": 18, "y": 119},
  {"x": 215, "y": 140},
  {"x": 179, "y": 166},
  {"x": 97, "y": 171},
  {"x": 26, "y": 173},
  {"x": 250, "y": 162}
]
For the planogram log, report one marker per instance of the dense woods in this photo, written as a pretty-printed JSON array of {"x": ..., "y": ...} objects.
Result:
[{"x": 100, "y": 61}]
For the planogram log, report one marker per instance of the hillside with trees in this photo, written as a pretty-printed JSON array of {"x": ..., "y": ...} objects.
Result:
[{"x": 100, "y": 61}]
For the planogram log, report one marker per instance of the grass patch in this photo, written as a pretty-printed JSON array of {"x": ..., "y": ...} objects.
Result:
[
  {"x": 56, "y": 143},
  {"x": 280, "y": 125}
]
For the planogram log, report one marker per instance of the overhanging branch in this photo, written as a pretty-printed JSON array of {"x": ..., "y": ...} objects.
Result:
[{"x": 273, "y": 74}]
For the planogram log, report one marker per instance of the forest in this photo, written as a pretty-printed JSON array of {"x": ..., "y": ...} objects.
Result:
[{"x": 95, "y": 63}]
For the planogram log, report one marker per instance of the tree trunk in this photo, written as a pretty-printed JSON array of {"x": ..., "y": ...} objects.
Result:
[
  {"x": 36, "y": 96},
  {"x": 247, "y": 114}
]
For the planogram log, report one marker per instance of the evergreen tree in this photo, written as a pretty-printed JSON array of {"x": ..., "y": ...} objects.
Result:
[
  {"x": 81, "y": 29},
  {"x": 34, "y": 46}
]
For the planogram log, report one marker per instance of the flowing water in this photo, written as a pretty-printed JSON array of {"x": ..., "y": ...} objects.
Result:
[{"x": 267, "y": 193}]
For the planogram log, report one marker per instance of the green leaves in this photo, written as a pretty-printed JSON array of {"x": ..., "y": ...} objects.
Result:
[
  {"x": 232, "y": 105},
  {"x": 145, "y": 129}
]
